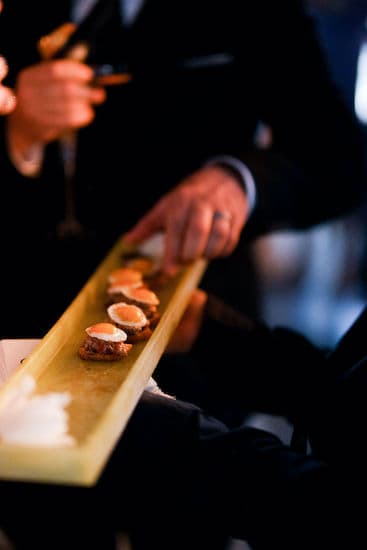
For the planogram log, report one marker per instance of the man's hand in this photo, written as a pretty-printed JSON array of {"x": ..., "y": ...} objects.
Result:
[
  {"x": 202, "y": 218},
  {"x": 52, "y": 97}
]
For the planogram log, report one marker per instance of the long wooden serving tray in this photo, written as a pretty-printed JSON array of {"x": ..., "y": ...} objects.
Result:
[{"x": 104, "y": 394}]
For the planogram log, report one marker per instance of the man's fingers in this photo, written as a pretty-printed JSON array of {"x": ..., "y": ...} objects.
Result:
[
  {"x": 196, "y": 233},
  {"x": 220, "y": 234},
  {"x": 172, "y": 246},
  {"x": 149, "y": 224}
]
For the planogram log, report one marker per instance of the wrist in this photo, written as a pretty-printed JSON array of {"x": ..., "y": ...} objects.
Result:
[{"x": 25, "y": 154}]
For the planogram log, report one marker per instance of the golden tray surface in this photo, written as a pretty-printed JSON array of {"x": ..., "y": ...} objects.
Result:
[{"x": 103, "y": 393}]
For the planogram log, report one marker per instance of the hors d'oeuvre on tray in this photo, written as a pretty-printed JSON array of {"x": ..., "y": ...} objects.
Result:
[
  {"x": 144, "y": 298},
  {"x": 148, "y": 266},
  {"x": 131, "y": 319},
  {"x": 125, "y": 276},
  {"x": 104, "y": 342}
]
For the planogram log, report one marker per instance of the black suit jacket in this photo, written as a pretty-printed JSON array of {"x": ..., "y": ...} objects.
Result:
[
  {"x": 279, "y": 371},
  {"x": 205, "y": 75},
  {"x": 285, "y": 497}
]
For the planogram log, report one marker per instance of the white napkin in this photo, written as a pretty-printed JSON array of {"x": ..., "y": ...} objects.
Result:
[
  {"x": 36, "y": 420},
  {"x": 153, "y": 387},
  {"x": 27, "y": 419}
]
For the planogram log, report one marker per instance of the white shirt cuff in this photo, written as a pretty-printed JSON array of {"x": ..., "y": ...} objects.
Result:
[{"x": 244, "y": 173}]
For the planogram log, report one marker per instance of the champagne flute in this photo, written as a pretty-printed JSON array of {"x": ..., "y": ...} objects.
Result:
[
  {"x": 70, "y": 226},
  {"x": 50, "y": 46}
]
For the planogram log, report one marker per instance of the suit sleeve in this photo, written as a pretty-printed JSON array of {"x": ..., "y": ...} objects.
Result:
[
  {"x": 244, "y": 482},
  {"x": 274, "y": 370},
  {"x": 277, "y": 498}
]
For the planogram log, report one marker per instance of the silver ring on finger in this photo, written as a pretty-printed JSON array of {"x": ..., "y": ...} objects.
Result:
[{"x": 221, "y": 215}]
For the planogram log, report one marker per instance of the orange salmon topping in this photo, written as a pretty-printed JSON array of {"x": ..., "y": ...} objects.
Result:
[
  {"x": 103, "y": 328},
  {"x": 144, "y": 265},
  {"x": 125, "y": 275},
  {"x": 144, "y": 295},
  {"x": 129, "y": 313}
]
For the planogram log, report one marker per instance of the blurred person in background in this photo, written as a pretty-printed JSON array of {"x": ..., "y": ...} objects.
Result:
[
  {"x": 341, "y": 27},
  {"x": 342, "y": 30},
  {"x": 308, "y": 278},
  {"x": 202, "y": 81}
]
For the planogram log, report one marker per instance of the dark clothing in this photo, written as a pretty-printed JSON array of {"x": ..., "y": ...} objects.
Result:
[
  {"x": 178, "y": 475},
  {"x": 204, "y": 76}
]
